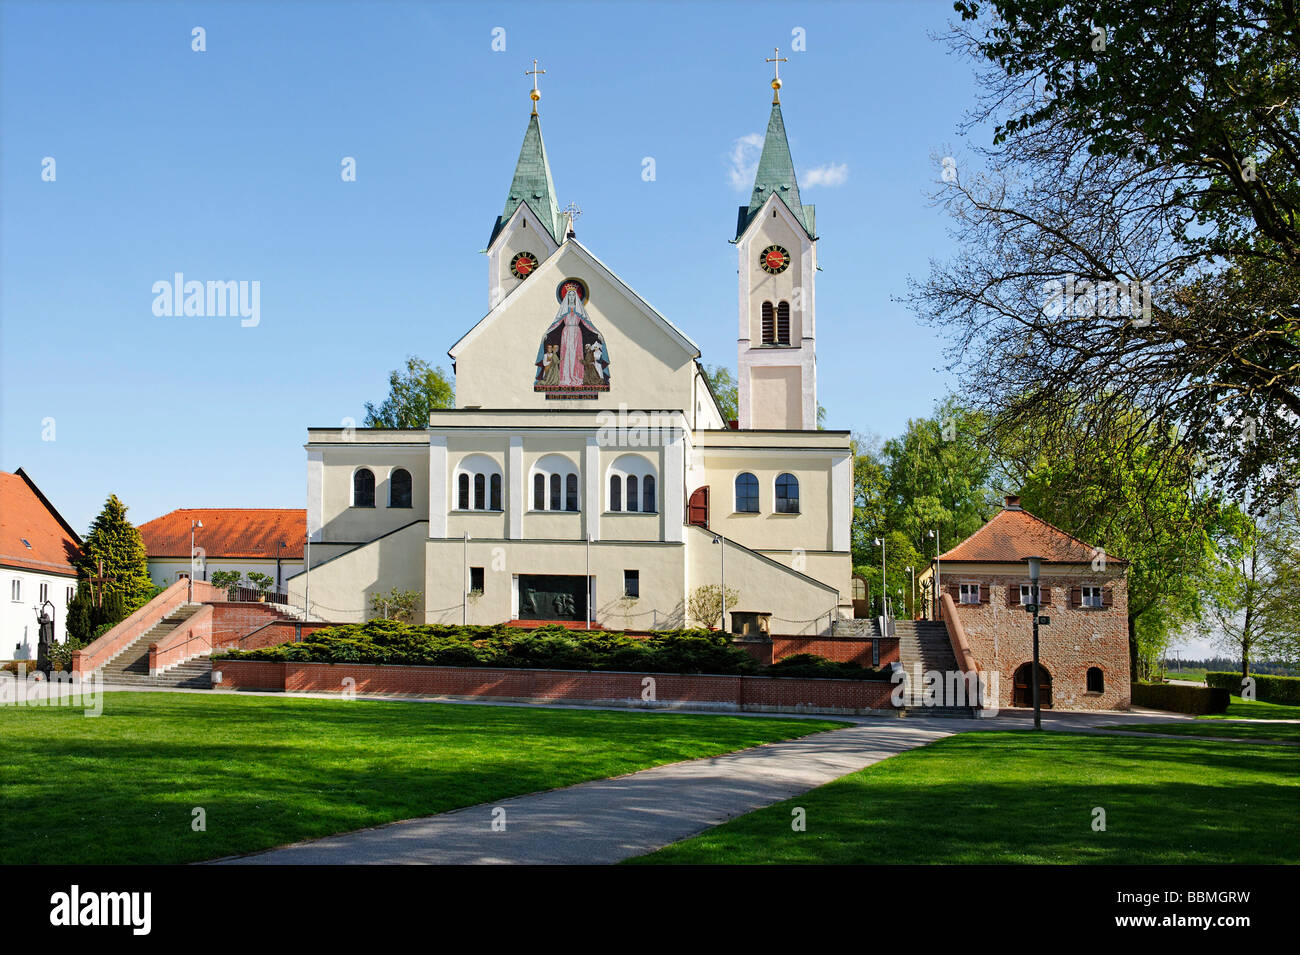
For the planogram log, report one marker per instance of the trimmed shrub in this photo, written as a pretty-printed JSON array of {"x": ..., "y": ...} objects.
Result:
[
  {"x": 1268, "y": 689},
  {"x": 546, "y": 648},
  {"x": 1196, "y": 700}
]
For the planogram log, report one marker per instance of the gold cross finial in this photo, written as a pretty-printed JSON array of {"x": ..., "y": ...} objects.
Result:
[
  {"x": 536, "y": 94},
  {"x": 776, "y": 60}
]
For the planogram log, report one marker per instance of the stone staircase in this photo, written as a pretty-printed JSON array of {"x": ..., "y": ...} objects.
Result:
[
  {"x": 923, "y": 645},
  {"x": 131, "y": 666}
]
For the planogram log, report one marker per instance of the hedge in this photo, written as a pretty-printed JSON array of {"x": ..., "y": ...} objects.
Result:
[
  {"x": 1196, "y": 700},
  {"x": 1268, "y": 689},
  {"x": 546, "y": 648}
]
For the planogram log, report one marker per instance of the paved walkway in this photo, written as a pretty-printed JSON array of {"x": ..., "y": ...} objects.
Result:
[{"x": 613, "y": 819}]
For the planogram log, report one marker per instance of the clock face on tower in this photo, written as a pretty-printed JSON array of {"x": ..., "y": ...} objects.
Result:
[
  {"x": 522, "y": 265},
  {"x": 774, "y": 259}
]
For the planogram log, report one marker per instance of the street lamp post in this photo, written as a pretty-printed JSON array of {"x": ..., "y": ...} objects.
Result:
[
  {"x": 464, "y": 581},
  {"x": 193, "y": 526},
  {"x": 1035, "y": 564},
  {"x": 884, "y": 591},
  {"x": 913, "y": 573},
  {"x": 937, "y": 589},
  {"x": 719, "y": 539}
]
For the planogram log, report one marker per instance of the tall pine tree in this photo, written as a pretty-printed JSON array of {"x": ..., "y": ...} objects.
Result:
[{"x": 116, "y": 541}]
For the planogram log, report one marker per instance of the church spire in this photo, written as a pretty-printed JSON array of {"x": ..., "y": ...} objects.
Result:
[
  {"x": 532, "y": 184},
  {"x": 776, "y": 169}
]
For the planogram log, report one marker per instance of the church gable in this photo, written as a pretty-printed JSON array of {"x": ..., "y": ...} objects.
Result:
[{"x": 573, "y": 335}]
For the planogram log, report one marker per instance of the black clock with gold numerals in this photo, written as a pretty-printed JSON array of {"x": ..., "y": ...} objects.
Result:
[
  {"x": 523, "y": 264},
  {"x": 774, "y": 259}
]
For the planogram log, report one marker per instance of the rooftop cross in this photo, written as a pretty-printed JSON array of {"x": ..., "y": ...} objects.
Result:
[
  {"x": 536, "y": 94},
  {"x": 776, "y": 60}
]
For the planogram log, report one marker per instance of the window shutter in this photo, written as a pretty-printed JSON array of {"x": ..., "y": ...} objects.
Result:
[
  {"x": 983, "y": 592},
  {"x": 1044, "y": 596},
  {"x": 1013, "y": 595},
  {"x": 1076, "y": 596},
  {"x": 954, "y": 591},
  {"x": 1105, "y": 596}
]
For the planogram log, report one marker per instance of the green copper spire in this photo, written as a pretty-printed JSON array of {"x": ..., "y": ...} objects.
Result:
[
  {"x": 776, "y": 175},
  {"x": 532, "y": 185}
]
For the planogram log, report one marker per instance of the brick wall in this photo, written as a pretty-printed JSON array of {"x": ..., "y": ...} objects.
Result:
[
  {"x": 1077, "y": 638},
  {"x": 839, "y": 649},
  {"x": 756, "y": 694}
]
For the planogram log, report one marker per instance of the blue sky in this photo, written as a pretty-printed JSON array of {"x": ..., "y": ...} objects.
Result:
[{"x": 225, "y": 164}]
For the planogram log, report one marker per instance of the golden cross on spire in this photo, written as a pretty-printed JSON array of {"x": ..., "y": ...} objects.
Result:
[
  {"x": 536, "y": 94},
  {"x": 776, "y": 60}
]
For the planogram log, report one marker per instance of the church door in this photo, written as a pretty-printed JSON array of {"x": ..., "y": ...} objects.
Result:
[
  {"x": 697, "y": 509},
  {"x": 552, "y": 597}
]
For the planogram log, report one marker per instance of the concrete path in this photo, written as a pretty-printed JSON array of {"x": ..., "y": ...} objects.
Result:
[{"x": 613, "y": 819}]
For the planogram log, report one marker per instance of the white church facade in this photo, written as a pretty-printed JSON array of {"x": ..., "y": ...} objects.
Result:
[{"x": 586, "y": 472}]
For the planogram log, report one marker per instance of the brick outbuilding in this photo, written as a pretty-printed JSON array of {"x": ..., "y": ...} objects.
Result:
[{"x": 1083, "y": 649}]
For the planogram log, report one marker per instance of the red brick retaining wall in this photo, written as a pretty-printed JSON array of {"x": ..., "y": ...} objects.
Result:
[{"x": 574, "y": 686}]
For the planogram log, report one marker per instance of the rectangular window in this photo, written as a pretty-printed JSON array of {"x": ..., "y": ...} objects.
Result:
[
  {"x": 15, "y": 589},
  {"x": 72, "y": 592},
  {"x": 1026, "y": 594},
  {"x": 632, "y": 583},
  {"x": 45, "y": 593},
  {"x": 476, "y": 580},
  {"x": 1092, "y": 597},
  {"x": 970, "y": 593}
]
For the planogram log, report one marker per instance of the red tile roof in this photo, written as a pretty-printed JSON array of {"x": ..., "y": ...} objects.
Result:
[
  {"x": 1014, "y": 534},
  {"x": 228, "y": 532},
  {"x": 26, "y": 514}
]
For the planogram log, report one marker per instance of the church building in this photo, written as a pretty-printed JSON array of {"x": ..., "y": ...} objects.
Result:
[{"x": 587, "y": 474}]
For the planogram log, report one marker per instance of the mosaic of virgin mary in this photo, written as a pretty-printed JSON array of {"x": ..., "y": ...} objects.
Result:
[{"x": 572, "y": 360}]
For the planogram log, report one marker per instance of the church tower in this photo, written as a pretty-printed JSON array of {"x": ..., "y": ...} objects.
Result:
[
  {"x": 531, "y": 227},
  {"x": 776, "y": 244}
]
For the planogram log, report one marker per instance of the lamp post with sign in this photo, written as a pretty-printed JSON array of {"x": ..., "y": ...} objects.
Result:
[{"x": 1035, "y": 565}]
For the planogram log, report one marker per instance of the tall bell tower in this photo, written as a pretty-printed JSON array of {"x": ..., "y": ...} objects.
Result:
[{"x": 776, "y": 244}]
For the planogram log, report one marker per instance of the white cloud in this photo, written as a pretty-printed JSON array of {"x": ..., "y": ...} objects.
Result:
[
  {"x": 831, "y": 174},
  {"x": 744, "y": 161}
]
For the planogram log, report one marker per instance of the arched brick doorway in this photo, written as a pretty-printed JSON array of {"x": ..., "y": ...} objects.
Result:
[{"x": 1022, "y": 693}]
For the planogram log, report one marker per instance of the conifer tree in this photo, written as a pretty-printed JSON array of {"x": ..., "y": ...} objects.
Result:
[{"x": 116, "y": 541}]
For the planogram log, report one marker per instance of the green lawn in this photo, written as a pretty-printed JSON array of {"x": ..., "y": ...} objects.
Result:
[
  {"x": 121, "y": 787},
  {"x": 1240, "y": 709},
  {"x": 1025, "y": 797},
  {"x": 1251, "y": 730}
]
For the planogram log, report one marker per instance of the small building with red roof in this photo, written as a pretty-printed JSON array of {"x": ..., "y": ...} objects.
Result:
[
  {"x": 264, "y": 540},
  {"x": 1083, "y": 645},
  {"x": 38, "y": 550}
]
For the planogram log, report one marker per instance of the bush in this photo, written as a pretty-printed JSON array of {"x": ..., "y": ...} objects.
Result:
[
  {"x": 1268, "y": 689},
  {"x": 811, "y": 665},
  {"x": 554, "y": 647},
  {"x": 1196, "y": 700}
]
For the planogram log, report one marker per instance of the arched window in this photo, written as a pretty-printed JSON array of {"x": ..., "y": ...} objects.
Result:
[
  {"x": 746, "y": 493},
  {"x": 363, "y": 488},
  {"x": 478, "y": 483},
  {"x": 1096, "y": 680},
  {"x": 632, "y": 482},
  {"x": 769, "y": 324},
  {"x": 787, "y": 494},
  {"x": 555, "y": 484},
  {"x": 783, "y": 323},
  {"x": 399, "y": 488}
]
